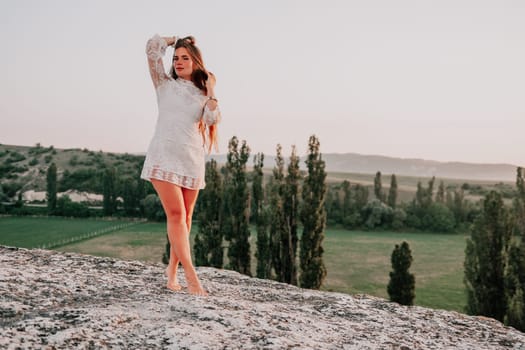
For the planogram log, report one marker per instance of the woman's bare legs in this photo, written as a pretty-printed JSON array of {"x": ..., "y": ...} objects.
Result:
[
  {"x": 175, "y": 200},
  {"x": 171, "y": 271}
]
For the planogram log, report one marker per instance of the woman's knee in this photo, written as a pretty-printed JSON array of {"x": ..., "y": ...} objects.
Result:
[{"x": 177, "y": 215}]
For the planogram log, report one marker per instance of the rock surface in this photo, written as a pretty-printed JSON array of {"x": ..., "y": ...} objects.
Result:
[{"x": 56, "y": 300}]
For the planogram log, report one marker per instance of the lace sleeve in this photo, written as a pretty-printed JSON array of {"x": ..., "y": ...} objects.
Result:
[
  {"x": 211, "y": 117},
  {"x": 155, "y": 49}
]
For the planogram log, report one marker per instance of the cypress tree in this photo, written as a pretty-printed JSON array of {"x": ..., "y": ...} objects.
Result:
[
  {"x": 129, "y": 197},
  {"x": 361, "y": 197},
  {"x": 440, "y": 195},
  {"x": 238, "y": 207},
  {"x": 519, "y": 203},
  {"x": 260, "y": 218},
  {"x": 140, "y": 192},
  {"x": 458, "y": 205},
  {"x": 278, "y": 224},
  {"x": 208, "y": 241},
  {"x": 51, "y": 192},
  {"x": 378, "y": 187},
  {"x": 313, "y": 217},
  {"x": 401, "y": 287},
  {"x": 515, "y": 269},
  {"x": 291, "y": 208},
  {"x": 514, "y": 284},
  {"x": 485, "y": 259},
  {"x": 347, "y": 200},
  {"x": 109, "y": 193},
  {"x": 392, "y": 192},
  {"x": 520, "y": 182}
]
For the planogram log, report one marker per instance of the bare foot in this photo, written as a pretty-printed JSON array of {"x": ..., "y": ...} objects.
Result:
[
  {"x": 194, "y": 285},
  {"x": 173, "y": 283}
]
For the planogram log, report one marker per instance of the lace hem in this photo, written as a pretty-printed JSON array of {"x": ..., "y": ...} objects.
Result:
[{"x": 189, "y": 182}]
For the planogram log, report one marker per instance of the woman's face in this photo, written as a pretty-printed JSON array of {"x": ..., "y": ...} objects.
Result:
[{"x": 182, "y": 63}]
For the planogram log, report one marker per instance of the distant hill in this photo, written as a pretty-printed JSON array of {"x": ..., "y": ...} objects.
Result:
[
  {"x": 370, "y": 164},
  {"x": 24, "y": 168}
]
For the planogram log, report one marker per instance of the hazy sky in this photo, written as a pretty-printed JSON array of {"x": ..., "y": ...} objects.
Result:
[{"x": 441, "y": 80}]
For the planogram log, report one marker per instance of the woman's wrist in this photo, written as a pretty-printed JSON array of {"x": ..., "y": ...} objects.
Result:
[{"x": 170, "y": 40}]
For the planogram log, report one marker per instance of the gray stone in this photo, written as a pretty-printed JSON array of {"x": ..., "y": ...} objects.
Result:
[{"x": 55, "y": 300}]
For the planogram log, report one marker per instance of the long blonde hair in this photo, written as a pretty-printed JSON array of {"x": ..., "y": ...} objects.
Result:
[{"x": 199, "y": 76}]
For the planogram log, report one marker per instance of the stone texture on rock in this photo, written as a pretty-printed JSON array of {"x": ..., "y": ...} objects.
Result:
[{"x": 55, "y": 300}]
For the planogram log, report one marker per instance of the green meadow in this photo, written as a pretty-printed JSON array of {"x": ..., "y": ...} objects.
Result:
[
  {"x": 357, "y": 262},
  {"x": 38, "y": 232}
]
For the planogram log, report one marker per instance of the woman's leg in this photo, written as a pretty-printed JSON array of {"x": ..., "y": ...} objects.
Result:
[
  {"x": 174, "y": 204},
  {"x": 190, "y": 198}
]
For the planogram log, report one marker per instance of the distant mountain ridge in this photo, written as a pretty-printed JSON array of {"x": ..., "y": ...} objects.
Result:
[{"x": 370, "y": 164}]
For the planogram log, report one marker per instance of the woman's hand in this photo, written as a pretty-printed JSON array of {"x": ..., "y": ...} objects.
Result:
[{"x": 210, "y": 83}]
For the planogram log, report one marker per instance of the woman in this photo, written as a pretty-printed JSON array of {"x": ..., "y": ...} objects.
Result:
[{"x": 188, "y": 114}]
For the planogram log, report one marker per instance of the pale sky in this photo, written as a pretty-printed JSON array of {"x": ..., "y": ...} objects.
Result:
[{"x": 439, "y": 80}]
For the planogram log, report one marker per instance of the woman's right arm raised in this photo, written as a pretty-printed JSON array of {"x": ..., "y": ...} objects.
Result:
[{"x": 155, "y": 49}]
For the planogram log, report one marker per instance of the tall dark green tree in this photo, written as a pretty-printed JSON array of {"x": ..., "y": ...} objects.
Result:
[
  {"x": 378, "y": 187},
  {"x": 514, "y": 287},
  {"x": 424, "y": 196},
  {"x": 515, "y": 269},
  {"x": 392, "y": 192},
  {"x": 347, "y": 199},
  {"x": 313, "y": 218},
  {"x": 278, "y": 225},
  {"x": 109, "y": 192},
  {"x": 260, "y": 217},
  {"x": 485, "y": 259},
  {"x": 238, "y": 205},
  {"x": 518, "y": 204},
  {"x": 402, "y": 284},
  {"x": 459, "y": 205},
  {"x": 140, "y": 192},
  {"x": 208, "y": 241},
  {"x": 361, "y": 197},
  {"x": 51, "y": 190},
  {"x": 291, "y": 213},
  {"x": 440, "y": 195},
  {"x": 129, "y": 197}
]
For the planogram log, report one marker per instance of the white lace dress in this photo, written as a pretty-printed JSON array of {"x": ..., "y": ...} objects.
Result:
[{"x": 176, "y": 152}]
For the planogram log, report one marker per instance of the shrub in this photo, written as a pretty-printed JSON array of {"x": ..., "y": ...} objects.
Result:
[
  {"x": 439, "y": 218},
  {"x": 66, "y": 207},
  {"x": 377, "y": 214},
  {"x": 15, "y": 157},
  {"x": 153, "y": 208}
]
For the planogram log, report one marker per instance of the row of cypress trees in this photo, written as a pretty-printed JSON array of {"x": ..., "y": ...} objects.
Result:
[{"x": 228, "y": 205}]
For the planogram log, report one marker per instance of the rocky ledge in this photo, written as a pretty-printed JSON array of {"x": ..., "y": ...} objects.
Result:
[{"x": 56, "y": 300}]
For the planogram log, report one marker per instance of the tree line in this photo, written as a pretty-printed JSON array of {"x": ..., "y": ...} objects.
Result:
[
  {"x": 445, "y": 210},
  {"x": 494, "y": 265},
  {"x": 229, "y": 206}
]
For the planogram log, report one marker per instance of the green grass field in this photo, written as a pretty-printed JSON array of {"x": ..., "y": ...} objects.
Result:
[
  {"x": 35, "y": 232},
  {"x": 145, "y": 242},
  {"x": 357, "y": 262}
]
